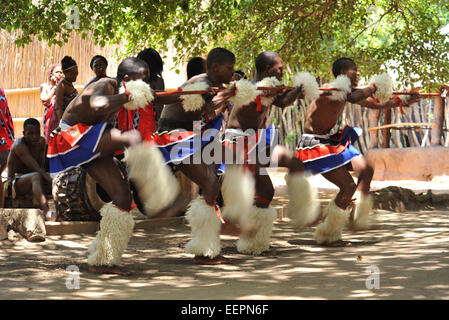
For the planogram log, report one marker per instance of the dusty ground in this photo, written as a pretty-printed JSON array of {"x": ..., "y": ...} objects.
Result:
[{"x": 411, "y": 251}]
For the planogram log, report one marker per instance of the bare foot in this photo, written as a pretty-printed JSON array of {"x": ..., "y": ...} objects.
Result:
[
  {"x": 338, "y": 243},
  {"x": 269, "y": 253},
  {"x": 230, "y": 229},
  {"x": 211, "y": 261},
  {"x": 109, "y": 270},
  {"x": 36, "y": 238},
  {"x": 356, "y": 228}
]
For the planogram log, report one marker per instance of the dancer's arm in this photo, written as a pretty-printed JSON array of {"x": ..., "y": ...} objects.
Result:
[
  {"x": 391, "y": 103},
  {"x": 288, "y": 98},
  {"x": 104, "y": 101}
]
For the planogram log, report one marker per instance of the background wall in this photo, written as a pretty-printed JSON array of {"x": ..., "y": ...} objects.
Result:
[{"x": 22, "y": 70}]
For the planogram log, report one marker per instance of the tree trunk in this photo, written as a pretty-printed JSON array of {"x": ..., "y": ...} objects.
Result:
[
  {"x": 29, "y": 223},
  {"x": 373, "y": 119},
  {"x": 438, "y": 116},
  {"x": 386, "y": 135}
]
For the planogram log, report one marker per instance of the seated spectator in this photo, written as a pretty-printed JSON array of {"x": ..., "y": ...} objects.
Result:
[
  {"x": 98, "y": 64},
  {"x": 26, "y": 174},
  {"x": 195, "y": 66},
  {"x": 6, "y": 130}
]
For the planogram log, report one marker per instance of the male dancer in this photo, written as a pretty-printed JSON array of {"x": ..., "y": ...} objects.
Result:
[
  {"x": 175, "y": 137},
  {"x": 85, "y": 137},
  {"x": 334, "y": 156},
  {"x": 247, "y": 123}
]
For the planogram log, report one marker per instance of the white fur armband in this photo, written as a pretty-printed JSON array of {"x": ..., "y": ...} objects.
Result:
[
  {"x": 246, "y": 92},
  {"x": 309, "y": 85},
  {"x": 140, "y": 94},
  {"x": 267, "y": 82},
  {"x": 405, "y": 98},
  {"x": 343, "y": 83},
  {"x": 384, "y": 87},
  {"x": 193, "y": 102}
]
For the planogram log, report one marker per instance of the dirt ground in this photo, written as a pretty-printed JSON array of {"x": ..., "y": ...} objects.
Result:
[{"x": 410, "y": 250}]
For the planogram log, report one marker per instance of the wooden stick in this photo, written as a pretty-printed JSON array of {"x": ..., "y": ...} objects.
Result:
[
  {"x": 422, "y": 94},
  {"x": 182, "y": 93},
  {"x": 399, "y": 125},
  {"x": 12, "y": 92},
  {"x": 174, "y": 91}
]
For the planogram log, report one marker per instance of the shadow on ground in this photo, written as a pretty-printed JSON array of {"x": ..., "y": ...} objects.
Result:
[{"x": 410, "y": 250}]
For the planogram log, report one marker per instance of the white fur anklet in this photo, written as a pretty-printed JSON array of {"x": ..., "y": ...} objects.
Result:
[
  {"x": 205, "y": 229},
  {"x": 364, "y": 205},
  {"x": 238, "y": 189},
  {"x": 116, "y": 228},
  {"x": 330, "y": 230},
  {"x": 303, "y": 206},
  {"x": 152, "y": 177},
  {"x": 259, "y": 241}
]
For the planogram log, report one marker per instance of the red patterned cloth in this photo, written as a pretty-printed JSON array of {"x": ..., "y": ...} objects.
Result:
[
  {"x": 71, "y": 146},
  {"x": 6, "y": 124},
  {"x": 142, "y": 119}
]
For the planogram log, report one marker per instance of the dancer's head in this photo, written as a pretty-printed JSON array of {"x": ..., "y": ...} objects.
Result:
[
  {"x": 132, "y": 69},
  {"x": 220, "y": 65},
  {"x": 269, "y": 64},
  {"x": 348, "y": 67}
]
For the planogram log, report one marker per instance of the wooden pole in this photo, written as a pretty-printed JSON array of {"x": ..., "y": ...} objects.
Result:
[
  {"x": 373, "y": 119},
  {"x": 438, "y": 118},
  {"x": 386, "y": 134}
]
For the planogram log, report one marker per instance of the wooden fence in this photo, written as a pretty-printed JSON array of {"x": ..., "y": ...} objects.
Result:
[
  {"x": 22, "y": 70},
  {"x": 24, "y": 104}
]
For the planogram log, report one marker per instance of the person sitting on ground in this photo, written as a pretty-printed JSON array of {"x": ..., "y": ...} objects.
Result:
[
  {"x": 26, "y": 173},
  {"x": 48, "y": 92},
  {"x": 98, "y": 64}
]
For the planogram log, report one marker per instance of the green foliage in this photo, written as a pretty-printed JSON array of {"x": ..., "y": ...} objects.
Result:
[
  {"x": 291, "y": 138},
  {"x": 309, "y": 35}
]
